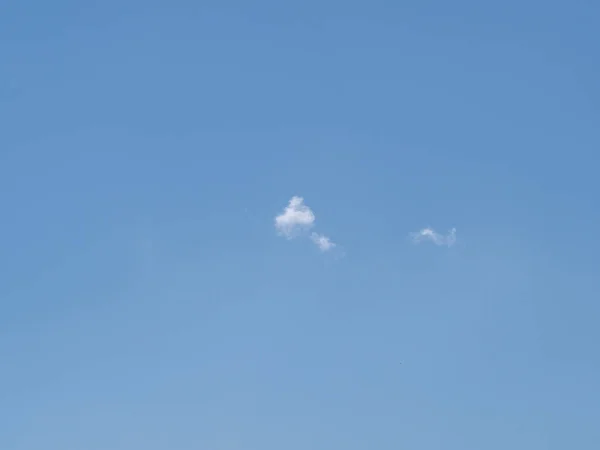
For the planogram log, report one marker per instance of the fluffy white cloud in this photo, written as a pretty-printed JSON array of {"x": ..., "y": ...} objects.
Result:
[
  {"x": 428, "y": 234},
  {"x": 295, "y": 218},
  {"x": 321, "y": 241}
]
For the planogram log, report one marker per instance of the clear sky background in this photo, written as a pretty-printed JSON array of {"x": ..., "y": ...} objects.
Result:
[{"x": 147, "y": 300}]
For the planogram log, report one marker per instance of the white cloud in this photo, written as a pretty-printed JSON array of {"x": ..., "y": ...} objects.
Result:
[
  {"x": 428, "y": 234},
  {"x": 295, "y": 218},
  {"x": 321, "y": 241}
]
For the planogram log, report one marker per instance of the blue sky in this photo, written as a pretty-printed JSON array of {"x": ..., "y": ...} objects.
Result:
[{"x": 147, "y": 299}]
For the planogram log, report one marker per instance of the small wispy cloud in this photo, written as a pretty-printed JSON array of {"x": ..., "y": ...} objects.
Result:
[
  {"x": 323, "y": 242},
  {"x": 428, "y": 234},
  {"x": 295, "y": 218}
]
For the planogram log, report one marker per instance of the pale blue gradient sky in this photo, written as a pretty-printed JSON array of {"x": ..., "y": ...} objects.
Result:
[{"x": 146, "y": 301}]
